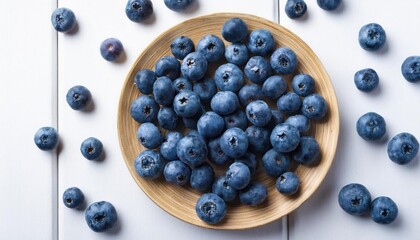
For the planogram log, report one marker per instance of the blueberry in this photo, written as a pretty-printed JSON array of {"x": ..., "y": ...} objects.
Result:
[
  {"x": 250, "y": 161},
  {"x": 354, "y": 198},
  {"x": 186, "y": 103},
  {"x": 289, "y": 103},
  {"x": 177, "y": 172},
  {"x": 168, "y": 66},
  {"x": 372, "y": 37},
  {"x": 178, "y": 5},
  {"x": 46, "y": 138},
  {"x": 224, "y": 102},
  {"x": 205, "y": 88},
  {"x": 371, "y": 126},
  {"x": 167, "y": 118},
  {"x": 101, "y": 216},
  {"x": 402, "y": 148},
  {"x": 144, "y": 80},
  {"x": 211, "y": 208},
  {"x": 163, "y": 91},
  {"x": 79, "y": 97},
  {"x": 261, "y": 42},
  {"x": 111, "y": 49},
  {"x": 168, "y": 147},
  {"x": 73, "y": 197},
  {"x": 314, "y": 106},
  {"x": 295, "y": 8},
  {"x": 138, "y": 10},
  {"x": 194, "y": 66},
  {"x": 283, "y": 61},
  {"x": 275, "y": 163},
  {"x": 328, "y": 5},
  {"x": 149, "y": 164},
  {"x": 250, "y": 93},
  {"x": 237, "y": 119},
  {"x": 366, "y": 79},
  {"x": 238, "y": 175},
  {"x": 258, "y": 113},
  {"x": 91, "y": 148},
  {"x": 411, "y": 69},
  {"x": 234, "y": 142},
  {"x": 212, "y": 47},
  {"x": 288, "y": 183},
  {"x": 303, "y": 84},
  {"x": 181, "y": 46},
  {"x": 216, "y": 154},
  {"x": 228, "y": 77},
  {"x": 258, "y": 138},
  {"x": 63, "y": 19},
  {"x": 192, "y": 150},
  {"x": 202, "y": 177},
  {"x": 307, "y": 152},
  {"x": 210, "y": 125},
  {"x": 180, "y": 84},
  {"x": 149, "y": 135},
  {"x": 191, "y": 122},
  {"x": 237, "y": 53},
  {"x": 144, "y": 109},
  {"x": 274, "y": 87},
  {"x": 277, "y": 117},
  {"x": 285, "y": 138},
  {"x": 255, "y": 193},
  {"x": 299, "y": 121},
  {"x": 257, "y": 69},
  {"x": 234, "y": 30},
  {"x": 383, "y": 210},
  {"x": 222, "y": 189}
]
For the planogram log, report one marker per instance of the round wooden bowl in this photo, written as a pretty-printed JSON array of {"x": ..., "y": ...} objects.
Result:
[{"x": 180, "y": 201}]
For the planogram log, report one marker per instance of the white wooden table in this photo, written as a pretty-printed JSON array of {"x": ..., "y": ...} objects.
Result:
[{"x": 38, "y": 66}]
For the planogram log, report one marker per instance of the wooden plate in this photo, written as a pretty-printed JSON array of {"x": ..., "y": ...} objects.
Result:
[{"x": 180, "y": 201}]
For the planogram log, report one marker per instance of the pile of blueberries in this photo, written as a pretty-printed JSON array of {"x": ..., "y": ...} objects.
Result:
[{"x": 231, "y": 117}]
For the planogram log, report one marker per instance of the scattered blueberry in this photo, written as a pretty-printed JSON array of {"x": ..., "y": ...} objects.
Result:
[
  {"x": 288, "y": 183},
  {"x": 234, "y": 30},
  {"x": 295, "y": 8},
  {"x": 383, "y": 210},
  {"x": 168, "y": 146},
  {"x": 149, "y": 135},
  {"x": 258, "y": 113},
  {"x": 177, "y": 172},
  {"x": 194, "y": 66},
  {"x": 178, "y": 5},
  {"x": 101, "y": 216},
  {"x": 371, "y": 126},
  {"x": 78, "y": 97},
  {"x": 411, "y": 68},
  {"x": 329, "y": 5},
  {"x": 149, "y": 164},
  {"x": 402, "y": 148},
  {"x": 224, "y": 102},
  {"x": 275, "y": 163},
  {"x": 238, "y": 175},
  {"x": 211, "y": 208},
  {"x": 372, "y": 37},
  {"x": 261, "y": 42},
  {"x": 144, "y": 109},
  {"x": 234, "y": 142},
  {"x": 91, "y": 148},
  {"x": 73, "y": 197},
  {"x": 212, "y": 47},
  {"x": 202, "y": 177},
  {"x": 168, "y": 66},
  {"x": 138, "y": 10},
  {"x": 314, "y": 106},
  {"x": 257, "y": 69},
  {"x": 63, "y": 19},
  {"x": 237, "y": 53},
  {"x": 354, "y": 198},
  {"x": 46, "y": 138},
  {"x": 144, "y": 80},
  {"x": 366, "y": 80},
  {"x": 283, "y": 61},
  {"x": 274, "y": 87},
  {"x": 284, "y": 138},
  {"x": 229, "y": 77},
  {"x": 303, "y": 84},
  {"x": 255, "y": 193},
  {"x": 111, "y": 49}
]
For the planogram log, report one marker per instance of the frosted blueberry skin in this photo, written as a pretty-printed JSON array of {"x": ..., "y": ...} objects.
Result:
[
  {"x": 354, "y": 199},
  {"x": 283, "y": 61},
  {"x": 46, "y": 138},
  {"x": 372, "y": 37},
  {"x": 255, "y": 193},
  {"x": 202, "y": 177},
  {"x": 411, "y": 69},
  {"x": 91, "y": 148},
  {"x": 274, "y": 86},
  {"x": 371, "y": 126},
  {"x": 250, "y": 93},
  {"x": 177, "y": 172},
  {"x": 403, "y": 148},
  {"x": 205, "y": 88},
  {"x": 168, "y": 66},
  {"x": 216, "y": 154},
  {"x": 366, "y": 80},
  {"x": 144, "y": 109},
  {"x": 186, "y": 103},
  {"x": 191, "y": 122},
  {"x": 258, "y": 138},
  {"x": 73, "y": 197},
  {"x": 328, "y": 5},
  {"x": 111, "y": 49},
  {"x": 211, "y": 208},
  {"x": 180, "y": 84},
  {"x": 289, "y": 103},
  {"x": 149, "y": 164},
  {"x": 284, "y": 138},
  {"x": 258, "y": 113},
  {"x": 237, "y": 53},
  {"x": 223, "y": 190},
  {"x": 238, "y": 175},
  {"x": 257, "y": 69},
  {"x": 295, "y": 8},
  {"x": 212, "y": 47},
  {"x": 234, "y": 142},
  {"x": 138, "y": 10},
  {"x": 275, "y": 163},
  {"x": 277, "y": 117},
  {"x": 250, "y": 161},
  {"x": 78, "y": 97},
  {"x": 178, "y": 5},
  {"x": 229, "y": 77},
  {"x": 237, "y": 119},
  {"x": 210, "y": 125},
  {"x": 144, "y": 80},
  {"x": 163, "y": 91},
  {"x": 224, "y": 102},
  {"x": 167, "y": 118},
  {"x": 307, "y": 152},
  {"x": 168, "y": 147},
  {"x": 314, "y": 106},
  {"x": 383, "y": 210},
  {"x": 299, "y": 121},
  {"x": 303, "y": 84},
  {"x": 181, "y": 46},
  {"x": 101, "y": 216},
  {"x": 63, "y": 19},
  {"x": 234, "y": 30},
  {"x": 192, "y": 150},
  {"x": 149, "y": 135},
  {"x": 260, "y": 42},
  {"x": 288, "y": 183},
  {"x": 194, "y": 66}
]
